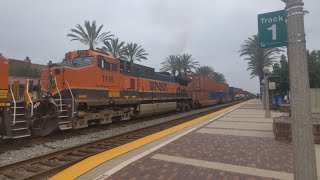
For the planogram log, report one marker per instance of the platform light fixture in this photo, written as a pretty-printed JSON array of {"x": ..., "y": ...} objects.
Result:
[{"x": 266, "y": 88}]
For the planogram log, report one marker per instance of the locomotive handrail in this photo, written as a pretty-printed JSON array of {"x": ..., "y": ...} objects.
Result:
[
  {"x": 14, "y": 103},
  {"x": 55, "y": 81},
  {"x": 29, "y": 98},
  {"x": 72, "y": 98}
]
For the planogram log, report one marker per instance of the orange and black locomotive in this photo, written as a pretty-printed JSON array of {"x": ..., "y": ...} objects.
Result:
[{"x": 91, "y": 87}]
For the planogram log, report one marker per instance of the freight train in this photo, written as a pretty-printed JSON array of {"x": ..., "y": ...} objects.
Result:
[{"x": 91, "y": 87}]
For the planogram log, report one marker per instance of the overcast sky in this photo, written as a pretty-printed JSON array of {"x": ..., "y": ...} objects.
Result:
[{"x": 211, "y": 30}]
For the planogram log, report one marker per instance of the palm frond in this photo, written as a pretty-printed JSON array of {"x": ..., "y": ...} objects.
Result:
[{"x": 89, "y": 34}]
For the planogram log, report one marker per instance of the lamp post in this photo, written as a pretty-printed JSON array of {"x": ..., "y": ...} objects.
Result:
[
  {"x": 266, "y": 88},
  {"x": 263, "y": 95},
  {"x": 302, "y": 130}
]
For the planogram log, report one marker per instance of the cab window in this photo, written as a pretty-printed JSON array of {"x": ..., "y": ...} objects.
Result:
[
  {"x": 67, "y": 62},
  {"x": 114, "y": 67},
  {"x": 82, "y": 61},
  {"x": 104, "y": 64}
]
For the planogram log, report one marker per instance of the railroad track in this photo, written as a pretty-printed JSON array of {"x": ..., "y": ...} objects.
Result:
[{"x": 51, "y": 163}]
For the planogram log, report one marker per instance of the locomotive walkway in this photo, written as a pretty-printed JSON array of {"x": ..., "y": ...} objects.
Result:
[{"x": 234, "y": 143}]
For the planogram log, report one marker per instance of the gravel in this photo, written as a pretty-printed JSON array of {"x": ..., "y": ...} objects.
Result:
[{"x": 48, "y": 147}]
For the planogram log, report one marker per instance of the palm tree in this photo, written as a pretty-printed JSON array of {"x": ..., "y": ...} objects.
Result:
[
  {"x": 258, "y": 57},
  {"x": 90, "y": 35},
  {"x": 170, "y": 64},
  {"x": 187, "y": 64},
  {"x": 219, "y": 77},
  {"x": 114, "y": 47},
  {"x": 133, "y": 52},
  {"x": 206, "y": 71},
  {"x": 209, "y": 71}
]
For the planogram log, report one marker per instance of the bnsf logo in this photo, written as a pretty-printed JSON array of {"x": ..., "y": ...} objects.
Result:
[{"x": 158, "y": 86}]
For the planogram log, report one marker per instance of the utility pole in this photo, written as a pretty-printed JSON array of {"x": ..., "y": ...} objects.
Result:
[{"x": 302, "y": 128}]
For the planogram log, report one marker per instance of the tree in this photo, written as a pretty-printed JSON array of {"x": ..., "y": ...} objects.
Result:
[
  {"x": 114, "y": 47},
  {"x": 219, "y": 77},
  {"x": 209, "y": 71},
  {"x": 313, "y": 58},
  {"x": 187, "y": 64},
  {"x": 133, "y": 52},
  {"x": 258, "y": 57},
  {"x": 206, "y": 71},
  {"x": 281, "y": 70},
  {"x": 90, "y": 35},
  {"x": 170, "y": 64},
  {"x": 25, "y": 72}
]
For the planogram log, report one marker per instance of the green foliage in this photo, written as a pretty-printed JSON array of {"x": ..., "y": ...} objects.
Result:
[
  {"x": 170, "y": 64},
  {"x": 89, "y": 35},
  {"x": 25, "y": 72},
  {"x": 281, "y": 70},
  {"x": 180, "y": 65},
  {"x": 187, "y": 64},
  {"x": 314, "y": 68},
  {"x": 134, "y": 52},
  {"x": 206, "y": 70},
  {"x": 219, "y": 77},
  {"x": 209, "y": 71},
  {"x": 114, "y": 47},
  {"x": 258, "y": 57}
]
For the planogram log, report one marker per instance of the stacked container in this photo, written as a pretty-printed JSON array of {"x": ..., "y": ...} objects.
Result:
[{"x": 206, "y": 91}]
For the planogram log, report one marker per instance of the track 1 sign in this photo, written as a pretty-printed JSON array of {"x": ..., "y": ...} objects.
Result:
[{"x": 272, "y": 29}]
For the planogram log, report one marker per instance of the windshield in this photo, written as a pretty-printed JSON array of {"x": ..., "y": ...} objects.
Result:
[{"x": 78, "y": 62}]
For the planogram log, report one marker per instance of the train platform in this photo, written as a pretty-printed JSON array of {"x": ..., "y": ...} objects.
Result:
[{"x": 233, "y": 143}]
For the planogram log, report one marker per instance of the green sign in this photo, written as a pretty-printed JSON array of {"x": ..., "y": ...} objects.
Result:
[{"x": 272, "y": 29}]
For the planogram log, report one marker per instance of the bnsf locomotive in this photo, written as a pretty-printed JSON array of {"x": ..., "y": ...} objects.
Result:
[{"x": 91, "y": 87}]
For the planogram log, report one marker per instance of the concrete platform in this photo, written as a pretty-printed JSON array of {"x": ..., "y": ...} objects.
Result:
[{"x": 235, "y": 143}]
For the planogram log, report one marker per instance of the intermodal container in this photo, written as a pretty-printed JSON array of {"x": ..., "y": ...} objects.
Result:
[
  {"x": 217, "y": 95},
  {"x": 232, "y": 91},
  {"x": 205, "y": 83},
  {"x": 203, "y": 98}
]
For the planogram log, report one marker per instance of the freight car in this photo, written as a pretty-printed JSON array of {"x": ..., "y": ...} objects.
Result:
[{"x": 205, "y": 91}]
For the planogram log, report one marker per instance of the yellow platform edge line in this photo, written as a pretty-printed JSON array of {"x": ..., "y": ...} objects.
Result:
[{"x": 89, "y": 163}]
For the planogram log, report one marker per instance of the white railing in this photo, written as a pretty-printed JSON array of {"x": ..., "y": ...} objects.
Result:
[
  {"x": 29, "y": 97},
  {"x": 14, "y": 103},
  {"x": 72, "y": 110},
  {"x": 55, "y": 80}
]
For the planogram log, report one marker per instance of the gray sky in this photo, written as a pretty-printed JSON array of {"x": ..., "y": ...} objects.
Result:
[{"x": 211, "y": 30}]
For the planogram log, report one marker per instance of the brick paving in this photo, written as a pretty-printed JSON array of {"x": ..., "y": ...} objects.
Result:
[
  {"x": 147, "y": 169},
  {"x": 262, "y": 153}
]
